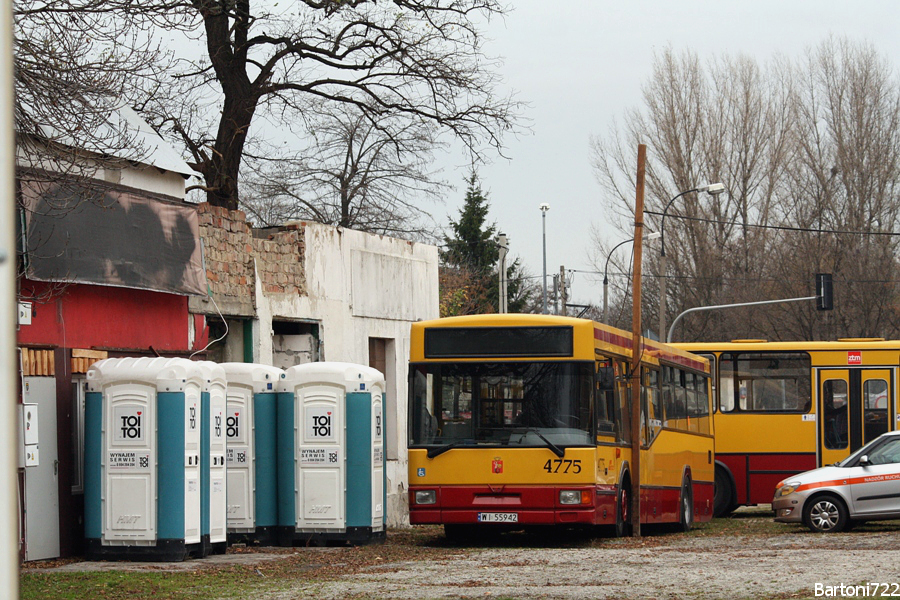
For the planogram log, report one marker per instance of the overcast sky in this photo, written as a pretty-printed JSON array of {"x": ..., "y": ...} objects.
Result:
[{"x": 580, "y": 64}]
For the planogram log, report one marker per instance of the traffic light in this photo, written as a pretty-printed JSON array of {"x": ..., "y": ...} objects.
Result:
[{"x": 824, "y": 292}]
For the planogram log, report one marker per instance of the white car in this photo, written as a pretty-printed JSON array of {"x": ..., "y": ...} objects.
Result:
[{"x": 863, "y": 487}]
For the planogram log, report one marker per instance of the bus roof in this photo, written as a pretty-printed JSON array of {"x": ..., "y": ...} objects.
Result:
[
  {"x": 808, "y": 346},
  {"x": 590, "y": 337}
]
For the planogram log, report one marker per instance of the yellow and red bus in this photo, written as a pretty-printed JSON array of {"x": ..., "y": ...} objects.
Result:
[
  {"x": 786, "y": 407},
  {"x": 524, "y": 420}
]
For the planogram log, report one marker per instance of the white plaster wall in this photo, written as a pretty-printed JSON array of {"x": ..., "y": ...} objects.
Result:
[
  {"x": 154, "y": 180},
  {"x": 361, "y": 286}
]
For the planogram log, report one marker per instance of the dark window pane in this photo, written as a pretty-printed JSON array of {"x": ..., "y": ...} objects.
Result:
[{"x": 456, "y": 342}]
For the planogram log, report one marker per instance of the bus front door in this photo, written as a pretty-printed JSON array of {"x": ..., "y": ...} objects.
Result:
[{"x": 854, "y": 409}]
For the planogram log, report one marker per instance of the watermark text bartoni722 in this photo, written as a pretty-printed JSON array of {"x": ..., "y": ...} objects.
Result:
[{"x": 860, "y": 590}]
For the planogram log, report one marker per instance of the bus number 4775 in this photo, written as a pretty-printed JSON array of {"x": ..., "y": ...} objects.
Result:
[{"x": 554, "y": 465}]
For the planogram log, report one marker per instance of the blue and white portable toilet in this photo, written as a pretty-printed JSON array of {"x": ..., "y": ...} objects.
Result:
[
  {"x": 142, "y": 489},
  {"x": 331, "y": 485},
  {"x": 250, "y": 429},
  {"x": 213, "y": 524}
]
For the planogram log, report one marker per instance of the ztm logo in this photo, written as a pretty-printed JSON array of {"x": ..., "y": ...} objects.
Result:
[
  {"x": 321, "y": 425},
  {"x": 131, "y": 426},
  {"x": 854, "y": 358},
  {"x": 233, "y": 424}
]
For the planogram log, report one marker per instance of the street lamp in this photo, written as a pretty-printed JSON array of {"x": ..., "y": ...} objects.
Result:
[
  {"x": 651, "y": 236},
  {"x": 503, "y": 246},
  {"x": 713, "y": 189},
  {"x": 544, "y": 208}
]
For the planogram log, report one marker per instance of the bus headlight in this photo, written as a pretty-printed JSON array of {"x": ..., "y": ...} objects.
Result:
[
  {"x": 425, "y": 497},
  {"x": 574, "y": 497},
  {"x": 786, "y": 489}
]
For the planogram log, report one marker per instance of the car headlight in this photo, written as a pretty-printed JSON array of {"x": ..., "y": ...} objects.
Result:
[
  {"x": 425, "y": 497},
  {"x": 574, "y": 497},
  {"x": 786, "y": 489}
]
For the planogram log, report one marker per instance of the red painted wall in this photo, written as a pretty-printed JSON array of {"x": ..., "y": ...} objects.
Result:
[{"x": 91, "y": 316}]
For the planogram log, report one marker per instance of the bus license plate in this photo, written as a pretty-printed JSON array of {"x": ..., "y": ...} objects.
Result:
[{"x": 498, "y": 517}]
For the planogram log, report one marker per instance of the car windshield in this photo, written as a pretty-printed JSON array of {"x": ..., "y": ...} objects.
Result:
[{"x": 538, "y": 404}]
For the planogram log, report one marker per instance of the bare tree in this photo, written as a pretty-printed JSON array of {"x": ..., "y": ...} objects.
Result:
[
  {"x": 809, "y": 145},
  {"x": 75, "y": 66},
  {"x": 421, "y": 60},
  {"x": 846, "y": 179},
  {"x": 702, "y": 124},
  {"x": 354, "y": 173}
]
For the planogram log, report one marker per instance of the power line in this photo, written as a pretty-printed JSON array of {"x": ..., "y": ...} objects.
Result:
[
  {"x": 778, "y": 227},
  {"x": 743, "y": 279}
]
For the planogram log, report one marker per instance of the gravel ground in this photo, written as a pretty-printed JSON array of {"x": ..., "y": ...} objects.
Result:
[
  {"x": 746, "y": 557},
  {"x": 783, "y": 566}
]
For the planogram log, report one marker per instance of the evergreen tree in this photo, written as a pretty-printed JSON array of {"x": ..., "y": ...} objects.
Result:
[
  {"x": 469, "y": 282},
  {"x": 474, "y": 247}
]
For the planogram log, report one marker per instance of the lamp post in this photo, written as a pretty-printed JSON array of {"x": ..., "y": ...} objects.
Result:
[
  {"x": 651, "y": 236},
  {"x": 713, "y": 189},
  {"x": 504, "y": 248},
  {"x": 544, "y": 208}
]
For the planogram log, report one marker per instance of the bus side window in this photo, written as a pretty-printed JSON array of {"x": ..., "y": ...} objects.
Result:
[
  {"x": 606, "y": 401},
  {"x": 835, "y": 404},
  {"x": 726, "y": 383}
]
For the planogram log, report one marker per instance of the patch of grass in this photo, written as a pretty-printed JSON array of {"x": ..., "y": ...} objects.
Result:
[
  {"x": 746, "y": 521},
  {"x": 113, "y": 585}
]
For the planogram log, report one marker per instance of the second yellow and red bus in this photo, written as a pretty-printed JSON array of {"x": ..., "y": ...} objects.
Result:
[{"x": 786, "y": 407}]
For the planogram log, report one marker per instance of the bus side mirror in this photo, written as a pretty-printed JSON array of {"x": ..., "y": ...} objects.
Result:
[{"x": 605, "y": 378}]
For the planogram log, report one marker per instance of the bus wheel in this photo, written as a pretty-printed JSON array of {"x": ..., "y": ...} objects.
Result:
[
  {"x": 825, "y": 514},
  {"x": 724, "y": 492},
  {"x": 686, "y": 510},
  {"x": 623, "y": 509}
]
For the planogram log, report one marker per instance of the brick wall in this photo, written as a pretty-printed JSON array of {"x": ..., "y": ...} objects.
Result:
[{"x": 230, "y": 247}]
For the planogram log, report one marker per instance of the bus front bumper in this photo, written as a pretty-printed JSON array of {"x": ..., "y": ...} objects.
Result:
[{"x": 533, "y": 505}]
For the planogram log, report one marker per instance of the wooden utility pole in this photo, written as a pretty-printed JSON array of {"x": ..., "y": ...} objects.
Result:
[{"x": 636, "y": 346}]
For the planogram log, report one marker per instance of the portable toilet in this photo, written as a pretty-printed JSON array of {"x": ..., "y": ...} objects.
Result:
[
  {"x": 142, "y": 454},
  {"x": 250, "y": 430},
  {"x": 331, "y": 485},
  {"x": 213, "y": 500}
]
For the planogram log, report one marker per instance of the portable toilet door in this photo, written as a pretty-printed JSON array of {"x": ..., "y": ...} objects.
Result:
[
  {"x": 324, "y": 471},
  {"x": 213, "y": 523},
  {"x": 250, "y": 430},
  {"x": 366, "y": 488},
  {"x": 142, "y": 459}
]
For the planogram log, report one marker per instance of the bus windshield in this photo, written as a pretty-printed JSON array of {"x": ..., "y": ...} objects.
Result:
[{"x": 543, "y": 404}]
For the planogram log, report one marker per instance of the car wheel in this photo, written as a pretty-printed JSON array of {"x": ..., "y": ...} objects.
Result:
[
  {"x": 825, "y": 514},
  {"x": 724, "y": 492},
  {"x": 686, "y": 512},
  {"x": 623, "y": 509}
]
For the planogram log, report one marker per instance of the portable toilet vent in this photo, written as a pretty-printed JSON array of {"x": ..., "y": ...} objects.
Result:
[
  {"x": 250, "y": 429},
  {"x": 142, "y": 482},
  {"x": 331, "y": 484},
  {"x": 213, "y": 506}
]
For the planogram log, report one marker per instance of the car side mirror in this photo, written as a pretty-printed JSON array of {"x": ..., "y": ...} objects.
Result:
[{"x": 863, "y": 460}]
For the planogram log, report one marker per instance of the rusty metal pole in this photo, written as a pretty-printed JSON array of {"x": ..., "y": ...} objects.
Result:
[{"x": 636, "y": 346}]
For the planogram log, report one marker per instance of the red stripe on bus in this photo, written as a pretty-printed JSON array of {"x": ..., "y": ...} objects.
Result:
[{"x": 625, "y": 343}]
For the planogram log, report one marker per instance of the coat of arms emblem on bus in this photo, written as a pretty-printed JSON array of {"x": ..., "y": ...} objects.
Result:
[{"x": 497, "y": 465}]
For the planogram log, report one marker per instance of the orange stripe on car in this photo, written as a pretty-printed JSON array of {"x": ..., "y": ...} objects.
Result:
[{"x": 853, "y": 481}]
